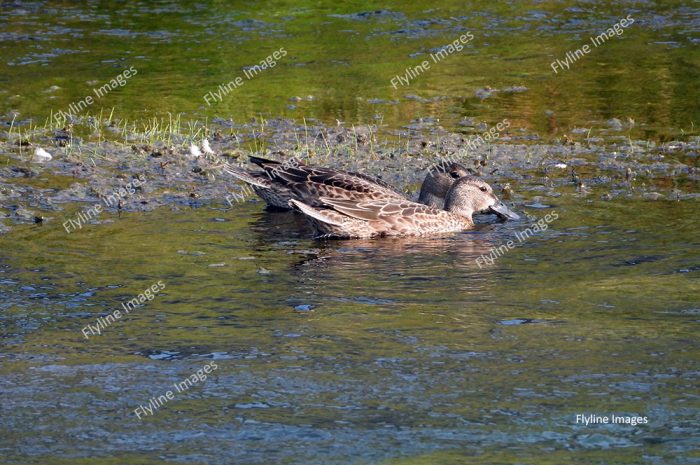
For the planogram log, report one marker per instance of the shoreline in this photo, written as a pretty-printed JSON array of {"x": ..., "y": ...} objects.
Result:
[{"x": 86, "y": 169}]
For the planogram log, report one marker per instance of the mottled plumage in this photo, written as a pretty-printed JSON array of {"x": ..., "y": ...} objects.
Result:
[
  {"x": 340, "y": 218},
  {"x": 279, "y": 182}
]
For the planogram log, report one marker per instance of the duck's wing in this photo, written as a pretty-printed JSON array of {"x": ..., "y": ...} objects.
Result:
[
  {"x": 325, "y": 215},
  {"x": 394, "y": 218},
  {"x": 377, "y": 181},
  {"x": 263, "y": 162},
  {"x": 273, "y": 165},
  {"x": 384, "y": 210},
  {"x": 311, "y": 183},
  {"x": 295, "y": 171},
  {"x": 352, "y": 219}
]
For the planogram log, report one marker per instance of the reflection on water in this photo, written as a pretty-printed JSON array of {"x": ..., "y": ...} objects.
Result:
[{"x": 403, "y": 345}]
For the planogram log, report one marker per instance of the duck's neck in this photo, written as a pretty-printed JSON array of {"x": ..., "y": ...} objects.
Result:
[{"x": 464, "y": 214}]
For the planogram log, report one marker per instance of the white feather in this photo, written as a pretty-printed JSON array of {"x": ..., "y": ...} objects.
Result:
[
  {"x": 41, "y": 155},
  {"x": 206, "y": 148},
  {"x": 194, "y": 151}
]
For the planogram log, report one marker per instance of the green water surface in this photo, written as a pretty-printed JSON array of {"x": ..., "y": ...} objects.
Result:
[{"x": 341, "y": 57}]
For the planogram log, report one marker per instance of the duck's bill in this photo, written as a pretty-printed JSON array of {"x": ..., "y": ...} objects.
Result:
[{"x": 500, "y": 209}]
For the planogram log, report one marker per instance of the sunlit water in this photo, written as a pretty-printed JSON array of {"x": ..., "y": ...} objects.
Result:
[
  {"x": 354, "y": 351},
  {"x": 400, "y": 351}
]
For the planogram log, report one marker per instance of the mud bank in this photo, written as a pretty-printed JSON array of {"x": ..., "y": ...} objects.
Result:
[{"x": 94, "y": 163}]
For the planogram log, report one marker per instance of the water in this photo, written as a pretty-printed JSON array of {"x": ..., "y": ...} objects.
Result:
[
  {"x": 396, "y": 351},
  {"x": 341, "y": 58},
  {"x": 409, "y": 347}
]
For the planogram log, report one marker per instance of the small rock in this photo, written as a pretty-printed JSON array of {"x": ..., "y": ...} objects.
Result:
[
  {"x": 614, "y": 124},
  {"x": 519, "y": 321},
  {"x": 653, "y": 196},
  {"x": 485, "y": 93},
  {"x": 252, "y": 405}
]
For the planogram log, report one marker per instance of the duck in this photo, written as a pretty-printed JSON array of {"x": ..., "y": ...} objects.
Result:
[
  {"x": 359, "y": 219},
  {"x": 280, "y": 182},
  {"x": 438, "y": 181}
]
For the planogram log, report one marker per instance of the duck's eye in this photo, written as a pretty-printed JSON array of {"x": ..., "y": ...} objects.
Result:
[
  {"x": 454, "y": 174},
  {"x": 483, "y": 189}
]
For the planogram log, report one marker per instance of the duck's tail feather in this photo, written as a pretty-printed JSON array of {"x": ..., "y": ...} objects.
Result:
[
  {"x": 260, "y": 181},
  {"x": 263, "y": 162},
  {"x": 314, "y": 213}
]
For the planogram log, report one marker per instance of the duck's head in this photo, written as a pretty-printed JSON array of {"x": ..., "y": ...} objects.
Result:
[
  {"x": 438, "y": 181},
  {"x": 470, "y": 195}
]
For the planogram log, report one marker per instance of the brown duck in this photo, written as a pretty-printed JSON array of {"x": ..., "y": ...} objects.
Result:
[
  {"x": 278, "y": 183},
  {"x": 340, "y": 218}
]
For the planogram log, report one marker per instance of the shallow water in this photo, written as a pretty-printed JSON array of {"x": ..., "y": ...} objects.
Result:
[
  {"x": 394, "y": 351},
  {"x": 405, "y": 346}
]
